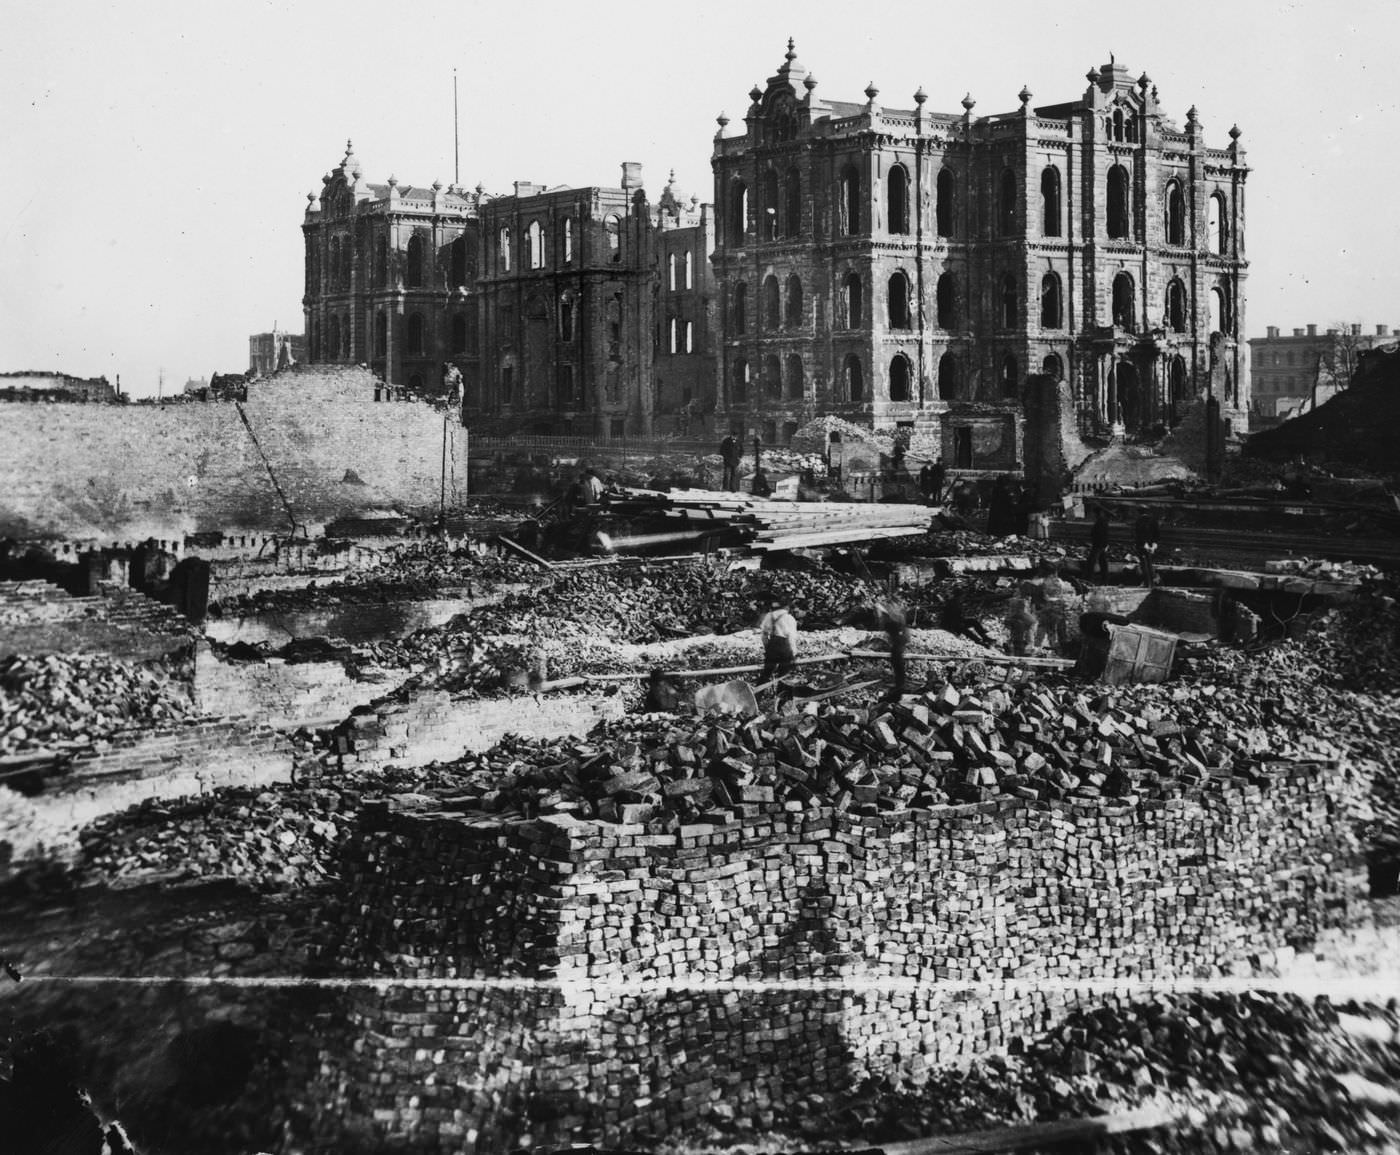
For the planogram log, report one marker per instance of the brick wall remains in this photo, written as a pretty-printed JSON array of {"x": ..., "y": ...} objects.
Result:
[
  {"x": 37, "y": 617},
  {"x": 795, "y": 951}
]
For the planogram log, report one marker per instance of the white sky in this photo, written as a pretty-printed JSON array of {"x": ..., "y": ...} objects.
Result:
[{"x": 159, "y": 151}]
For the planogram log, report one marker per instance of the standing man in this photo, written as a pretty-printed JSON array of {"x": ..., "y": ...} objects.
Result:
[
  {"x": 731, "y": 454},
  {"x": 1147, "y": 535},
  {"x": 1098, "y": 548},
  {"x": 779, "y": 630},
  {"x": 893, "y": 618}
]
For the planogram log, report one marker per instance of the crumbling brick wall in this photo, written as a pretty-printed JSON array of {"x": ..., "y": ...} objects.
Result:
[
  {"x": 792, "y": 950},
  {"x": 37, "y": 617}
]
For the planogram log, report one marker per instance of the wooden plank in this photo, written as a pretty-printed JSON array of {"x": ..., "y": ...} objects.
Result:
[
  {"x": 1033, "y": 1135},
  {"x": 523, "y": 552},
  {"x": 834, "y": 537}
]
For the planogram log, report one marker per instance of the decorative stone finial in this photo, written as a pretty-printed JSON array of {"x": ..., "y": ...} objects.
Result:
[
  {"x": 1143, "y": 82},
  {"x": 920, "y": 96},
  {"x": 968, "y": 103},
  {"x": 393, "y": 181},
  {"x": 672, "y": 178},
  {"x": 1025, "y": 95},
  {"x": 755, "y": 94},
  {"x": 871, "y": 92},
  {"x": 310, "y": 199},
  {"x": 809, "y": 82},
  {"x": 1092, "y": 76},
  {"x": 1235, "y": 132},
  {"x": 722, "y": 120},
  {"x": 480, "y": 189},
  {"x": 1191, "y": 115},
  {"x": 792, "y": 51},
  {"x": 437, "y": 186},
  {"x": 1154, "y": 94}
]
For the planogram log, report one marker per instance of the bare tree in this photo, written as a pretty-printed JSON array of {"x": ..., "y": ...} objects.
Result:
[{"x": 1336, "y": 365}]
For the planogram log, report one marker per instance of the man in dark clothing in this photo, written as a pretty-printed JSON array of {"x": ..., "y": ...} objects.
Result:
[
  {"x": 661, "y": 696},
  {"x": 731, "y": 455},
  {"x": 956, "y": 621},
  {"x": 1098, "y": 548},
  {"x": 893, "y": 618},
  {"x": 1147, "y": 537},
  {"x": 939, "y": 474}
]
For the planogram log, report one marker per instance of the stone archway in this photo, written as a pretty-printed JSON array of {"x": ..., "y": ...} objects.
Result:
[{"x": 1134, "y": 406}]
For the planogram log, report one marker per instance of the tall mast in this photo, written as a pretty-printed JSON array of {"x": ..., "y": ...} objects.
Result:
[{"x": 456, "y": 142}]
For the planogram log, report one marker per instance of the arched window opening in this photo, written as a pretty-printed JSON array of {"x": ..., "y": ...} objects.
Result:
[
  {"x": 347, "y": 331},
  {"x": 415, "y": 338},
  {"x": 899, "y": 302},
  {"x": 1180, "y": 388},
  {"x": 333, "y": 339},
  {"x": 1006, "y": 204},
  {"x": 770, "y": 206},
  {"x": 566, "y": 317},
  {"x": 794, "y": 302},
  {"x": 671, "y": 271},
  {"x": 1009, "y": 371},
  {"x": 568, "y": 229},
  {"x": 1051, "y": 311},
  {"x": 1124, "y": 303},
  {"x": 772, "y": 377},
  {"x": 740, "y": 385},
  {"x": 948, "y": 377},
  {"x": 1053, "y": 367},
  {"x": 772, "y": 305},
  {"x": 612, "y": 225},
  {"x": 381, "y": 334},
  {"x": 850, "y": 202},
  {"x": 1220, "y": 310},
  {"x": 1010, "y": 312},
  {"x": 1118, "y": 214},
  {"x": 1217, "y": 227},
  {"x": 534, "y": 245},
  {"x": 796, "y": 380},
  {"x": 946, "y": 296},
  {"x": 413, "y": 263},
  {"x": 792, "y": 206},
  {"x": 897, "y": 199},
  {"x": 852, "y": 295},
  {"x": 1050, "y": 202},
  {"x": 854, "y": 377},
  {"x": 673, "y": 335},
  {"x": 1118, "y": 124},
  {"x": 459, "y": 333},
  {"x": 333, "y": 262},
  {"x": 737, "y": 216},
  {"x": 739, "y": 316},
  {"x": 688, "y": 337},
  {"x": 459, "y": 261},
  {"x": 505, "y": 250},
  {"x": 1176, "y": 214},
  {"x": 899, "y": 378},
  {"x": 1176, "y": 306},
  {"x": 688, "y": 271},
  {"x": 946, "y": 206},
  {"x": 381, "y": 262}
]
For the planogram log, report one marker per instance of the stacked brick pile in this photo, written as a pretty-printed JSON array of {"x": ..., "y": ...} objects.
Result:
[{"x": 37, "y": 617}]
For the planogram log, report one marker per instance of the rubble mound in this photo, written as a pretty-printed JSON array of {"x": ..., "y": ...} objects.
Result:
[
  {"x": 1360, "y": 642},
  {"x": 815, "y": 436},
  {"x": 64, "y": 702}
]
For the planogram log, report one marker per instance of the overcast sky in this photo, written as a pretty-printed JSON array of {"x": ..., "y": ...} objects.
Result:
[{"x": 159, "y": 153}]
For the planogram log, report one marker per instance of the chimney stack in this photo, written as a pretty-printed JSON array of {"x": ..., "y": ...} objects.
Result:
[
  {"x": 1273, "y": 330},
  {"x": 1382, "y": 330},
  {"x": 631, "y": 174},
  {"x": 1312, "y": 330},
  {"x": 1356, "y": 329}
]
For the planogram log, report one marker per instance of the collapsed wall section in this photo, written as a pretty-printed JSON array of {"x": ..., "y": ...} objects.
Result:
[{"x": 806, "y": 948}]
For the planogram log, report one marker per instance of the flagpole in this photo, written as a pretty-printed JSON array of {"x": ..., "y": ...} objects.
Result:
[{"x": 456, "y": 140}]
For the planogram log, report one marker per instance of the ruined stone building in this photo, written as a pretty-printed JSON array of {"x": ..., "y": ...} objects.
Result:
[
  {"x": 269, "y": 352},
  {"x": 922, "y": 269},
  {"x": 1290, "y": 374},
  {"x": 564, "y": 310},
  {"x": 41, "y": 386}
]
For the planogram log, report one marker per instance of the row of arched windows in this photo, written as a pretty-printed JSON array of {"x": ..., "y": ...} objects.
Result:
[
  {"x": 784, "y": 379},
  {"x": 416, "y": 266},
  {"x": 535, "y": 252}
]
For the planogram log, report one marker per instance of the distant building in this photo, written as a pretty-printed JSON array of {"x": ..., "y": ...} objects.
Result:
[
  {"x": 1292, "y": 374},
  {"x": 268, "y": 352},
  {"x": 38, "y": 386},
  {"x": 196, "y": 387}
]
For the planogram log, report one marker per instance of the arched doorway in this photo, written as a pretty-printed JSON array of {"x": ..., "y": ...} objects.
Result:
[{"x": 1133, "y": 409}]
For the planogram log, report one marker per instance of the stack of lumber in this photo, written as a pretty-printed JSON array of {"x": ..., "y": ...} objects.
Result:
[{"x": 766, "y": 525}]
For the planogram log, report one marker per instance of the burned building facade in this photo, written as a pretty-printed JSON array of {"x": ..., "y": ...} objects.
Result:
[
  {"x": 902, "y": 267},
  {"x": 558, "y": 310}
]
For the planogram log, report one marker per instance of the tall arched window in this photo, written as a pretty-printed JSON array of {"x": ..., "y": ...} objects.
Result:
[
  {"x": 1176, "y": 214},
  {"x": 459, "y": 261},
  {"x": 1124, "y": 302},
  {"x": 671, "y": 264},
  {"x": 794, "y": 302},
  {"x": 948, "y": 377},
  {"x": 737, "y": 214},
  {"x": 740, "y": 310},
  {"x": 739, "y": 389},
  {"x": 333, "y": 338},
  {"x": 899, "y": 302},
  {"x": 505, "y": 250},
  {"x": 796, "y": 380},
  {"x": 772, "y": 303},
  {"x": 1051, "y": 309},
  {"x": 347, "y": 332},
  {"x": 1009, "y": 373},
  {"x": 1180, "y": 389},
  {"x": 769, "y": 226},
  {"x": 687, "y": 270},
  {"x": 413, "y": 263},
  {"x": 1176, "y": 306},
  {"x": 1006, "y": 204},
  {"x": 772, "y": 377},
  {"x": 947, "y": 300},
  {"x": 1118, "y": 211},
  {"x": 568, "y": 230},
  {"x": 459, "y": 333},
  {"x": 897, "y": 199},
  {"x": 534, "y": 245},
  {"x": 415, "y": 336},
  {"x": 899, "y": 378},
  {"x": 1053, "y": 367},
  {"x": 1050, "y": 202},
  {"x": 566, "y": 317},
  {"x": 850, "y": 201},
  {"x": 946, "y": 210},
  {"x": 381, "y": 263},
  {"x": 612, "y": 225},
  {"x": 334, "y": 262},
  {"x": 1217, "y": 224},
  {"x": 1010, "y": 294},
  {"x": 854, "y": 377},
  {"x": 1220, "y": 310},
  {"x": 852, "y": 293},
  {"x": 792, "y": 204}
]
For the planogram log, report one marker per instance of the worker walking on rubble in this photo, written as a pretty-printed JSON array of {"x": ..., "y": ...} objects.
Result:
[
  {"x": 892, "y": 617},
  {"x": 1147, "y": 538},
  {"x": 1098, "y": 547},
  {"x": 779, "y": 631},
  {"x": 731, "y": 454},
  {"x": 1051, "y": 612}
]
